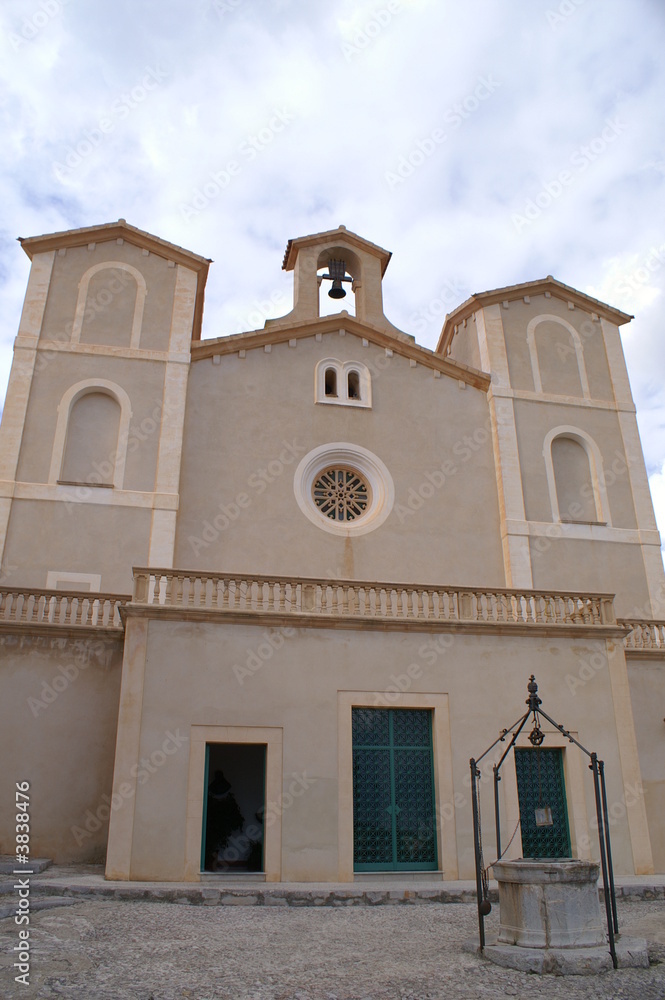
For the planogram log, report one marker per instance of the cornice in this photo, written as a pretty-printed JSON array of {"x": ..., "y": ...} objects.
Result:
[
  {"x": 137, "y": 237},
  {"x": 330, "y": 324},
  {"x": 557, "y": 289},
  {"x": 294, "y": 246}
]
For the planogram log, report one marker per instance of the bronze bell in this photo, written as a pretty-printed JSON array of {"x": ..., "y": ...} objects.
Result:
[{"x": 337, "y": 270}]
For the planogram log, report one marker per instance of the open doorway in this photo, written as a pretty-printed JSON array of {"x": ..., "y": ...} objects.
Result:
[{"x": 234, "y": 806}]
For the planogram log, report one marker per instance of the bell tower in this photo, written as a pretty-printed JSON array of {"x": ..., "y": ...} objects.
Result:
[{"x": 347, "y": 258}]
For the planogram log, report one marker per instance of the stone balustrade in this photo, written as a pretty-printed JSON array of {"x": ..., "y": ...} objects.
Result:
[
  {"x": 303, "y": 597},
  {"x": 408, "y": 603},
  {"x": 645, "y": 636},
  {"x": 37, "y": 608}
]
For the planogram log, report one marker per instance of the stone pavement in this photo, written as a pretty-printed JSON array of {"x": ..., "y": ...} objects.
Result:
[{"x": 394, "y": 947}]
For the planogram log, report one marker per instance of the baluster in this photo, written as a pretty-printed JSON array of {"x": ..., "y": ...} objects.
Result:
[{"x": 29, "y": 607}]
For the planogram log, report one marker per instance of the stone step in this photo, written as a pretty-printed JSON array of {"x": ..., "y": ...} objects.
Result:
[
  {"x": 9, "y": 865},
  {"x": 259, "y": 894}
]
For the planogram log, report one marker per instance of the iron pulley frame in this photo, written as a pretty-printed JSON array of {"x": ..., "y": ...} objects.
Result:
[{"x": 596, "y": 766}]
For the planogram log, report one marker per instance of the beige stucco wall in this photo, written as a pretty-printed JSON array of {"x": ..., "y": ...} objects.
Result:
[
  {"x": 90, "y": 538},
  {"x": 464, "y": 346},
  {"x": 646, "y": 692},
  {"x": 516, "y": 319},
  {"x": 69, "y": 268},
  {"x": 143, "y": 381},
  {"x": 535, "y": 420},
  {"x": 417, "y": 424},
  {"x": 58, "y": 718},
  {"x": 129, "y": 336},
  {"x": 181, "y": 676}
]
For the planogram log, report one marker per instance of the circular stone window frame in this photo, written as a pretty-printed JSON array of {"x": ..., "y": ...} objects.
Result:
[{"x": 352, "y": 456}]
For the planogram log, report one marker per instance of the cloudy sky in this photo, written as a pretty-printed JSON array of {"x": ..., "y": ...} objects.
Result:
[{"x": 484, "y": 143}]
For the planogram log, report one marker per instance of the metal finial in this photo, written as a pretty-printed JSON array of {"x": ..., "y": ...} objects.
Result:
[{"x": 533, "y": 701}]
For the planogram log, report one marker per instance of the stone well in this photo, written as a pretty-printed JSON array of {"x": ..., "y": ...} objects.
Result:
[
  {"x": 549, "y": 904},
  {"x": 550, "y": 919}
]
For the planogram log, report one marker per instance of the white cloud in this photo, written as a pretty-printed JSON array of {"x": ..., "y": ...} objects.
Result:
[{"x": 225, "y": 66}]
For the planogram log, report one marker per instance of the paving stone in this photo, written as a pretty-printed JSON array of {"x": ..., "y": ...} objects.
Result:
[{"x": 137, "y": 950}]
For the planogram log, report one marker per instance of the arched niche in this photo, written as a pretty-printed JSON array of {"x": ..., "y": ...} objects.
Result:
[
  {"x": 557, "y": 357},
  {"x": 575, "y": 477},
  {"x": 109, "y": 306},
  {"x": 91, "y": 435}
]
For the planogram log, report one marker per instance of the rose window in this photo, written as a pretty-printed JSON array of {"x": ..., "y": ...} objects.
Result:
[{"x": 341, "y": 494}]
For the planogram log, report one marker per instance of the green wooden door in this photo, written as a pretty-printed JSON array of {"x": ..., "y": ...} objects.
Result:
[
  {"x": 394, "y": 823},
  {"x": 542, "y": 797}
]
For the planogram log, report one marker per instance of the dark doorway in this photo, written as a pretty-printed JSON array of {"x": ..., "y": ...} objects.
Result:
[{"x": 233, "y": 812}]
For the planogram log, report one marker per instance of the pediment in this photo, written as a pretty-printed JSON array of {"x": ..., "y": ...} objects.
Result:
[
  {"x": 330, "y": 324},
  {"x": 114, "y": 231},
  {"x": 556, "y": 289}
]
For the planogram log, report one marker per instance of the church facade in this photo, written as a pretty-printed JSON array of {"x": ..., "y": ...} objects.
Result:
[{"x": 263, "y": 596}]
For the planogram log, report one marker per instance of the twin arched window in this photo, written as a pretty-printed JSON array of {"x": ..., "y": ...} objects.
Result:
[{"x": 343, "y": 382}]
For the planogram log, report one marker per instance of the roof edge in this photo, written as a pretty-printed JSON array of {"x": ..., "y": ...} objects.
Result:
[
  {"x": 294, "y": 246},
  {"x": 562, "y": 291},
  {"x": 107, "y": 231},
  {"x": 254, "y": 339}
]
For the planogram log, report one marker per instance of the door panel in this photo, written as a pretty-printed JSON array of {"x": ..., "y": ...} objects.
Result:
[
  {"x": 540, "y": 787},
  {"x": 393, "y": 790}
]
